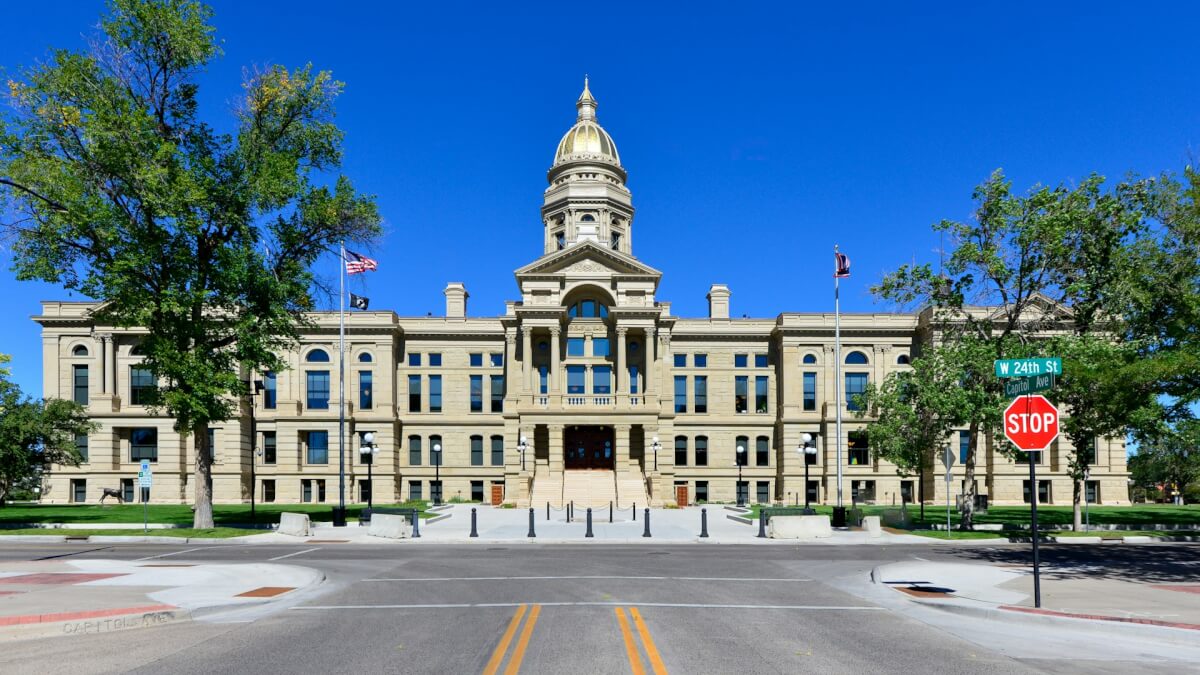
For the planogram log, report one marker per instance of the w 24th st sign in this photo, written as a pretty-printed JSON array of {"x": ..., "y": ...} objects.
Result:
[{"x": 1031, "y": 422}]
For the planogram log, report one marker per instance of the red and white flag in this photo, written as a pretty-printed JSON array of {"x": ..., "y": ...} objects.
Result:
[
  {"x": 841, "y": 263},
  {"x": 357, "y": 263}
]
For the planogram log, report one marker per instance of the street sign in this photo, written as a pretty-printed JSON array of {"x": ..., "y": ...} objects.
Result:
[
  {"x": 1028, "y": 367},
  {"x": 1028, "y": 385},
  {"x": 948, "y": 459},
  {"x": 145, "y": 476},
  {"x": 1031, "y": 422}
]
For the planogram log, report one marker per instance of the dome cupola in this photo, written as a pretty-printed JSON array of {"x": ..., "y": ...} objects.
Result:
[{"x": 587, "y": 140}]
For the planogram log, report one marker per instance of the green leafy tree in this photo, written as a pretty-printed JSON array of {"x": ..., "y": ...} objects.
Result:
[
  {"x": 119, "y": 190},
  {"x": 1172, "y": 460},
  {"x": 35, "y": 434}
]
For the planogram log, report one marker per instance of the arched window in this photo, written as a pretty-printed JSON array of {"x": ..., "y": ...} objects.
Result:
[
  {"x": 587, "y": 218},
  {"x": 137, "y": 350},
  {"x": 588, "y": 309},
  {"x": 79, "y": 350},
  {"x": 810, "y": 359},
  {"x": 317, "y": 356},
  {"x": 633, "y": 347},
  {"x": 856, "y": 359},
  {"x": 902, "y": 360},
  {"x": 364, "y": 357}
]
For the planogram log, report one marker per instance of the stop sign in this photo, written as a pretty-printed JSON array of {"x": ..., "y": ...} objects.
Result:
[{"x": 1031, "y": 422}]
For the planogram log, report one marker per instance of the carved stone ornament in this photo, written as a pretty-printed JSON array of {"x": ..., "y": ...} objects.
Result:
[{"x": 587, "y": 267}]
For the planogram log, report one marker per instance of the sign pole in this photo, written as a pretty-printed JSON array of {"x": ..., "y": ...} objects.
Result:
[
  {"x": 1033, "y": 523},
  {"x": 145, "y": 511}
]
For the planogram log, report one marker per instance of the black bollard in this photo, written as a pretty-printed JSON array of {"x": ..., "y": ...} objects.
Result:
[
  {"x": 547, "y": 510},
  {"x": 589, "y": 523},
  {"x": 416, "y": 523},
  {"x": 635, "y": 512},
  {"x": 610, "y": 505},
  {"x": 762, "y": 524},
  {"x": 704, "y": 523},
  {"x": 569, "y": 511},
  {"x": 474, "y": 532},
  {"x": 531, "y": 533},
  {"x": 646, "y": 532}
]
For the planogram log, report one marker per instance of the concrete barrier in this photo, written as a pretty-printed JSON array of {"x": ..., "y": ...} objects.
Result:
[
  {"x": 1077, "y": 540},
  {"x": 295, "y": 524},
  {"x": 390, "y": 526},
  {"x": 871, "y": 525},
  {"x": 799, "y": 527}
]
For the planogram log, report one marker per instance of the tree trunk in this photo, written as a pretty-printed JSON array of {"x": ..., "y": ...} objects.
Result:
[
  {"x": 1076, "y": 502},
  {"x": 202, "y": 517},
  {"x": 921, "y": 489},
  {"x": 968, "y": 508}
]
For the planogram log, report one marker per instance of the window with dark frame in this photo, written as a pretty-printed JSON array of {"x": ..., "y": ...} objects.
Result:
[
  {"x": 681, "y": 451},
  {"x": 269, "y": 447},
  {"x": 762, "y": 451},
  {"x": 497, "y": 451},
  {"x": 497, "y": 385},
  {"x": 476, "y": 393},
  {"x": 700, "y": 392},
  {"x": 477, "y": 451},
  {"x": 317, "y": 451},
  {"x": 141, "y": 385},
  {"x": 79, "y": 384},
  {"x": 143, "y": 444},
  {"x": 702, "y": 451}
]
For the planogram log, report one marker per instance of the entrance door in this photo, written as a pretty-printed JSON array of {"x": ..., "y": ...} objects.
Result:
[{"x": 588, "y": 448}]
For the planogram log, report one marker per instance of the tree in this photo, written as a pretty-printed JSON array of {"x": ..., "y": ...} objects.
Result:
[
  {"x": 35, "y": 434},
  {"x": 117, "y": 189},
  {"x": 1171, "y": 460}
]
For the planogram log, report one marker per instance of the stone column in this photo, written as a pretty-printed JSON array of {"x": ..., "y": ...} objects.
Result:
[
  {"x": 651, "y": 355},
  {"x": 555, "y": 346},
  {"x": 621, "y": 448},
  {"x": 556, "y": 448},
  {"x": 619, "y": 376},
  {"x": 510, "y": 354},
  {"x": 108, "y": 365},
  {"x": 526, "y": 359}
]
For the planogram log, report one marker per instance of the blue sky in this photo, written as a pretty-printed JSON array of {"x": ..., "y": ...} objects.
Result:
[{"x": 756, "y": 136}]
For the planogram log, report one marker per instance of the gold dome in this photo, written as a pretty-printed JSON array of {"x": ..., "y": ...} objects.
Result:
[{"x": 587, "y": 139}]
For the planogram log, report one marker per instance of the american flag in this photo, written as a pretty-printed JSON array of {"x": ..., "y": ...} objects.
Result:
[
  {"x": 357, "y": 263},
  {"x": 841, "y": 263}
]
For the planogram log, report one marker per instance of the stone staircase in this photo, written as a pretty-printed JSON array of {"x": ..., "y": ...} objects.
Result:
[
  {"x": 546, "y": 487},
  {"x": 594, "y": 488},
  {"x": 631, "y": 489}
]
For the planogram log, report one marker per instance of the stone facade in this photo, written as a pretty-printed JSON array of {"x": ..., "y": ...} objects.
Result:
[{"x": 585, "y": 372}]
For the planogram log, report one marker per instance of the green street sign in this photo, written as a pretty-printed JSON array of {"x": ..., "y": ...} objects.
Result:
[
  {"x": 1028, "y": 385},
  {"x": 1028, "y": 367}
]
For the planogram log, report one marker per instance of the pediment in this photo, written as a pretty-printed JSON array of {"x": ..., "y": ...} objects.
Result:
[{"x": 587, "y": 259}]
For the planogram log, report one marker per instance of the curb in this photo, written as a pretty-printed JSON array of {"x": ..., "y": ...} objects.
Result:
[{"x": 90, "y": 622}]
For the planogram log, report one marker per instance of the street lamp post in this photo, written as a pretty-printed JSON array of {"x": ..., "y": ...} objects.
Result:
[
  {"x": 1087, "y": 521},
  {"x": 254, "y": 388},
  {"x": 522, "y": 446},
  {"x": 368, "y": 450},
  {"x": 656, "y": 446},
  {"x": 437, "y": 474},
  {"x": 741, "y": 452},
  {"x": 807, "y": 448}
]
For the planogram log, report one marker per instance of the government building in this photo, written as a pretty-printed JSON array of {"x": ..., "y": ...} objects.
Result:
[{"x": 586, "y": 389}]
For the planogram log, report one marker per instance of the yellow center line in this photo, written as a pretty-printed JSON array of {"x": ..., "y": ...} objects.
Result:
[
  {"x": 493, "y": 664},
  {"x": 635, "y": 660},
  {"x": 656, "y": 661},
  {"x": 514, "y": 662}
]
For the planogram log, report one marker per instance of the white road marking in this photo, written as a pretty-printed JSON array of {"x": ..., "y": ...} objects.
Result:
[
  {"x": 917, "y": 557},
  {"x": 164, "y": 555},
  {"x": 686, "y": 605},
  {"x": 622, "y": 578},
  {"x": 307, "y": 550}
]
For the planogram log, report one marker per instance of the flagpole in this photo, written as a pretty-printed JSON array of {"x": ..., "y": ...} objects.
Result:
[
  {"x": 837, "y": 377},
  {"x": 340, "y": 520}
]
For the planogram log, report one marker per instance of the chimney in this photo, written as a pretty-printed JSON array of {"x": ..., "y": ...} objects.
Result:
[
  {"x": 456, "y": 300},
  {"x": 718, "y": 301}
]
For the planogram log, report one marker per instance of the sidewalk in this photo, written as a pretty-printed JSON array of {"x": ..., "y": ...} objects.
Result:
[
  {"x": 49, "y": 598},
  {"x": 1006, "y": 592}
]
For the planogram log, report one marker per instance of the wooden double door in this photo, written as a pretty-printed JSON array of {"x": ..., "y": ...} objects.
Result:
[{"x": 588, "y": 447}]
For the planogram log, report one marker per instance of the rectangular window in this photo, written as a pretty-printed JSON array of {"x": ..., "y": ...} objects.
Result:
[
  {"x": 270, "y": 391},
  {"x": 680, "y": 360},
  {"x": 79, "y": 490},
  {"x": 476, "y": 393},
  {"x": 762, "y": 451},
  {"x": 477, "y": 451},
  {"x": 681, "y": 451},
  {"x": 964, "y": 446},
  {"x": 856, "y": 384},
  {"x": 810, "y": 391},
  {"x": 1087, "y": 455},
  {"x": 700, "y": 393},
  {"x": 318, "y": 389},
  {"x": 414, "y": 490},
  {"x": 600, "y": 347},
  {"x": 477, "y": 491},
  {"x": 543, "y": 380},
  {"x": 760, "y": 394},
  {"x": 497, "y": 384},
  {"x": 760, "y": 360},
  {"x": 633, "y": 379},
  {"x": 860, "y": 452},
  {"x": 318, "y": 447},
  {"x": 497, "y": 451},
  {"x": 701, "y": 491},
  {"x": 741, "y": 386},
  {"x": 436, "y": 451},
  {"x": 81, "y": 446},
  {"x": 364, "y": 491},
  {"x": 79, "y": 384},
  {"x": 414, "y": 393},
  {"x": 268, "y": 492},
  {"x": 575, "y": 380},
  {"x": 414, "y": 360},
  {"x": 602, "y": 380},
  {"x": 414, "y": 451},
  {"x": 435, "y": 393},
  {"x": 141, "y": 385},
  {"x": 435, "y": 360},
  {"x": 680, "y": 394},
  {"x": 742, "y": 458},
  {"x": 497, "y": 359},
  {"x": 1026, "y": 457},
  {"x": 700, "y": 360},
  {"x": 763, "y": 492},
  {"x": 365, "y": 457},
  {"x": 269, "y": 448},
  {"x": 741, "y": 360},
  {"x": 702, "y": 451},
  {"x": 127, "y": 490},
  {"x": 212, "y": 444},
  {"x": 320, "y": 490},
  {"x": 1092, "y": 491},
  {"x": 366, "y": 398},
  {"x": 810, "y": 457},
  {"x": 1043, "y": 491},
  {"x": 476, "y": 360},
  {"x": 143, "y": 444},
  {"x": 575, "y": 346},
  {"x": 306, "y": 490}
]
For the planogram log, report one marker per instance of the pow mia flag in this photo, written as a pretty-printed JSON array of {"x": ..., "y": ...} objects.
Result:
[{"x": 359, "y": 302}]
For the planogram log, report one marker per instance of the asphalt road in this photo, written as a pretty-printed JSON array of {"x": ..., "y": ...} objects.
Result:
[{"x": 576, "y": 609}]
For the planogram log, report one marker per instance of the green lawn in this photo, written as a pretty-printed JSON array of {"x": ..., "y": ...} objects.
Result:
[
  {"x": 1048, "y": 516},
  {"x": 176, "y": 514},
  {"x": 215, "y": 533},
  {"x": 941, "y": 534}
]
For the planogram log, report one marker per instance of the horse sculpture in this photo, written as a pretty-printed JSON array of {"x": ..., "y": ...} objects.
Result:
[{"x": 112, "y": 492}]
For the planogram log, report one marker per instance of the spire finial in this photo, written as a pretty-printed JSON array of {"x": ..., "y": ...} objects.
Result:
[{"x": 586, "y": 105}]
